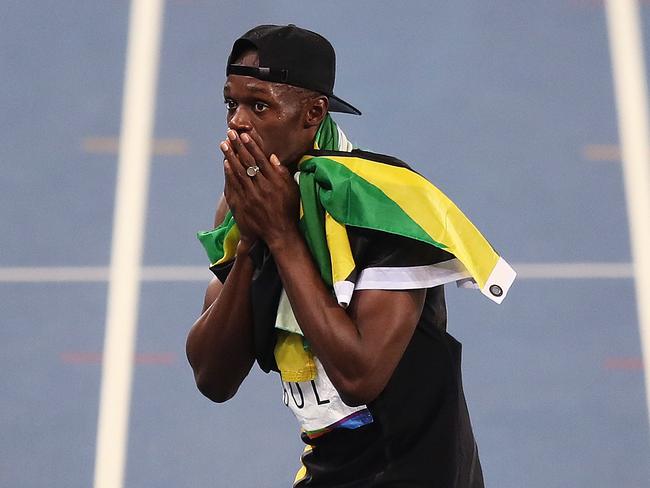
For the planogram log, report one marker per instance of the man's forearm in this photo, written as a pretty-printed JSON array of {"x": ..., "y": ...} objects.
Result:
[
  {"x": 331, "y": 332},
  {"x": 220, "y": 344},
  {"x": 359, "y": 347}
]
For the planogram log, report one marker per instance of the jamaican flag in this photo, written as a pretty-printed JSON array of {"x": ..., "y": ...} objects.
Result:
[{"x": 342, "y": 187}]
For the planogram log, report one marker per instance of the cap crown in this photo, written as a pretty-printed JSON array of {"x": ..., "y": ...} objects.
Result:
[{"x": 307, "y": 57}]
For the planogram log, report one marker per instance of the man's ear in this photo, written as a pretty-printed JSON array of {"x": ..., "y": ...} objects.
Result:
[{"x": 317, "y": 111}]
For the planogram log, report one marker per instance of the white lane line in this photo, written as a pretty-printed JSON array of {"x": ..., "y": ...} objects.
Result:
[
  {"x": 176, "y": 273},
  {"x": 138, "y": 108},
  {"x": 58, "y": 274},
  {"x": 573, "y": 270},
  {"x": 530, "y": 271},
  {"x": 630, "y": 86},
  {"x": 111, "y": 145}
]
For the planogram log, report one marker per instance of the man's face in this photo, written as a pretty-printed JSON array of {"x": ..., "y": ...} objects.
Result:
[{"x": 272, "y": 114}]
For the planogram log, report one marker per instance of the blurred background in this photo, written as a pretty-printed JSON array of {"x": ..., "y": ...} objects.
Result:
[{"x": 507, "y": 106}]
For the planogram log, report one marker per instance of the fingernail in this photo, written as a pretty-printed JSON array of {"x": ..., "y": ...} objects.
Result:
[
  {"x": 245, "y": 139},
  {"x": 275, "y": 160},
  {"x": 232, "y": 135},
  {"x": 226, "y": 163},
  {"x": 224, "y": 146}
]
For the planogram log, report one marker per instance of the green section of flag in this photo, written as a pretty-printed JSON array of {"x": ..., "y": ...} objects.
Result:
[
  {"x": 327, "y": 137},
  {"x": 352, "y": 200},
  {"x": 213, "y": 240}
]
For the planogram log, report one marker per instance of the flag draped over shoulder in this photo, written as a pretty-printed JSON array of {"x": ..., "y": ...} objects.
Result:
[
  {"x": 341, "y": 189},
  {"x": 341, "y": 186}
]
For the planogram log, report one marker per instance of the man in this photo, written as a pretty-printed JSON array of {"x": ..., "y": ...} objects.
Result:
[{"x": 336, "y": 282}]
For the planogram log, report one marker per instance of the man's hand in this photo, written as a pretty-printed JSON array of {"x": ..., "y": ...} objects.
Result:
[{"x": 265, "y": 205}]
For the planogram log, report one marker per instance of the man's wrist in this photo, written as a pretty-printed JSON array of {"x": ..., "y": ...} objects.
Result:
[
  {"x": 284, "y": 241},
  {"x": 244, "y": 247}
]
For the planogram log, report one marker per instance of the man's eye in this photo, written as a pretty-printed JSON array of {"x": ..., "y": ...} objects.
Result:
[
  {"x": 230, "y": 104},
  {"x": 260, "y": 107}
]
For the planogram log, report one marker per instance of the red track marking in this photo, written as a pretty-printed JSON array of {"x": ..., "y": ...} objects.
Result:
[
  {"x": 81, "y": 357},
  {"x": 622, "y": 363}
]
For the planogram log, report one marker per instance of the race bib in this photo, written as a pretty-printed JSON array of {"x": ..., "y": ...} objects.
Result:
[{"x": 318, "y": 406}]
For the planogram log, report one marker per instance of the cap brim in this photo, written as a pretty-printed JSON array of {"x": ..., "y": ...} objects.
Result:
[{"x": 338, "y": 105}]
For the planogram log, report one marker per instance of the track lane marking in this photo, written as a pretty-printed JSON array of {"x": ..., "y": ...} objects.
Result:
[
  {"x": 100, "y": 274},
  {"x": 602, "y": 153},
  {"x": 631, "y": 94},
  {"x": 90, "y": 357},
  {"x": 111, "y": 145},
  {"x": 132, "y": 185}
]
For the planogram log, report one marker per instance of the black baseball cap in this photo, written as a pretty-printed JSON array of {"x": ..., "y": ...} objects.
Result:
[{"x": 291, "y": 55}]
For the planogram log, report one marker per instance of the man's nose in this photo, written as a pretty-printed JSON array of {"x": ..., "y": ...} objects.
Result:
[{"x": 240, "y": 120}]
